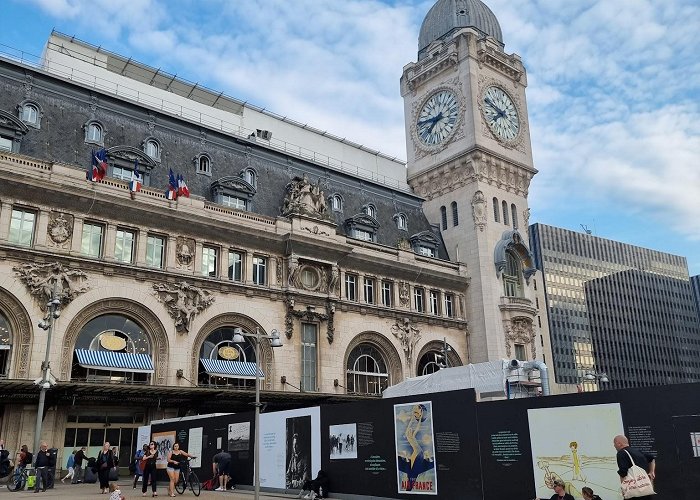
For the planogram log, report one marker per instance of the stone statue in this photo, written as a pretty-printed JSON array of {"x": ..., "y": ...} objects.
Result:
[
  {"x": 47, "y": 281},
  {"x": 404, "y": 295},
  {"x": 305, "y": 198},
  {"x": 183, "y": 301},
  {"x": 408, "y": 336}
]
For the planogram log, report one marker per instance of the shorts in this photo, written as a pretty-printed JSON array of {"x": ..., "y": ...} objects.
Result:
[
  {"x": 170, "y": 469},
  {"x": 223, "y": 468}
]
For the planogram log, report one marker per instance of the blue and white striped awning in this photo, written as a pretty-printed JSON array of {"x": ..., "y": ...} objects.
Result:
[
  {"x": 230, "y": 369},
  {"x": 114, "y": 361}
]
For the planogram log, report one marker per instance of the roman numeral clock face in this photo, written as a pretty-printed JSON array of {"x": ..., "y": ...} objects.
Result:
[
  {"x": 438, "y": 118},
  {"x": 501, "y": 114}
]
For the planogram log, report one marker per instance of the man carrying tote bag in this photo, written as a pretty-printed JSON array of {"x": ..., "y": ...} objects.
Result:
[{"x": 636, "y": 470}]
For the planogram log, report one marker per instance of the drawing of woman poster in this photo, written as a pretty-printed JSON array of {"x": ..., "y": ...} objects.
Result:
[{"x": 415, "y": 448}]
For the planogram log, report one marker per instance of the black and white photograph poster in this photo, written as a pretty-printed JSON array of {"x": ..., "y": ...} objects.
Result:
[
  {"x": 343, "y": 441},
  {"x": 298, "y": 452},
  {"x": 239, "y": 436}
]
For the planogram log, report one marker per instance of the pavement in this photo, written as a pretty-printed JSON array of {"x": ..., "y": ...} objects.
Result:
[{"x": 81, "y": 491}]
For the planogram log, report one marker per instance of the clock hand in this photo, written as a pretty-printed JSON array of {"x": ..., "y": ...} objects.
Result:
[{"x": 433, "y": 119}]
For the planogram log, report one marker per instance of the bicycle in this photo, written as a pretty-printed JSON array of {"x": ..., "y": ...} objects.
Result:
[
  {"x": 19, "y": 479},
  {"x": 188, "y": 477}
]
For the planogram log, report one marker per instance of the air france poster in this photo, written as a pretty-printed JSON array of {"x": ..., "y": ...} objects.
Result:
[{"x": 415, "y": 448}]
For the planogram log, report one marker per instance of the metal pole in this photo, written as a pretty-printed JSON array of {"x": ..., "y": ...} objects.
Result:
[
  {"x": 45, "y": 376},
  {"x": 256, "y": 448}
]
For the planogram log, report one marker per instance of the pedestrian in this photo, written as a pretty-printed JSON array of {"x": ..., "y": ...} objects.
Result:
[
  {"x": 588, "y": 494},
  {"x": 175, "y": 462},
  {"x": 43, "y": 462},
  {"x": 560, "y": 493},
  {"x": 626, "y": 454},
  {"x": 221, "y": 465},
  {"x": 148, "y": 462},
  {"x": 78, "y": 465},
  {"x": 105, "y": 462},
  {"x": 70, "y": 465},
  {"x": 138, "y": 467}
]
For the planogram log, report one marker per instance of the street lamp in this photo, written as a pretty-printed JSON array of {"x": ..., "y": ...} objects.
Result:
[
  {"x": 46, "y": 380},
  {"x": 444, "y": 350},
  {"x": 592, "y": 375},
  {"x": 274, "y": 338}
]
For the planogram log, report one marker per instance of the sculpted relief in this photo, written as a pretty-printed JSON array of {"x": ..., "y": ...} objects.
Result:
[
  {"x": 184, "y": 252},
  {"x": 60, "y": 230},
  {"x": 520, "y": 331},
  {"x": 408, "y": 336},
  {"x": 305, "y": 198},
  {"x": 45, "y": 281},
  {"x": 183, "y": 302}
]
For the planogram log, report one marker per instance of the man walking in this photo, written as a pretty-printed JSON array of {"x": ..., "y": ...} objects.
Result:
[
  {"x": 644, "y": 460},
  {"x": 43, "y": 463},
  {"x": 78, "y": 466}
]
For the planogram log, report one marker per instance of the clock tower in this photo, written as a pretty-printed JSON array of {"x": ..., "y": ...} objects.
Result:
[{"x": 470, "y": 158}]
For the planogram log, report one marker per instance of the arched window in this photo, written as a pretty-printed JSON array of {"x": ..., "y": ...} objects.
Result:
[
  {"x": 251, "y": 177},
  {"x": 455, "y": 215},
  {"x": 152, "y": 149},
  {"x": 505, "y": 212},
  {"x": 112, "y": 348},
  {"x": 370, "y": 210},
  {"x": 202, "y": 163},
  {"x": 336, "y": 203},
  {"x": 366, "y": 371},
  {"x": 30, "y": 114},
  {"x": 514, "y": 215},
  {"x": 512, "y": 276},
  {"x": 431, "y": 362},
  {"x": 94, "y": 133},
  {"x": 5, "y": 345},
  {"x": 224, "y": 363},
  {"x": 496, "y": 209},
  {"x": 401, "y": 222},
  {"x": 443, "y": 217}
]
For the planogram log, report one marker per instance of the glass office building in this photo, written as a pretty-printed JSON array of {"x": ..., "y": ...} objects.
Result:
[{"x": 617, "y": 309}]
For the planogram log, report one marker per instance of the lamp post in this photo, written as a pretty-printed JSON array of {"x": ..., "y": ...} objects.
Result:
[
  {"x": 46, "y": 380},
  {"x": 445, "y": 349},
  {"x": 274, "y": 338},
  {"x": 593, "y": 376}
]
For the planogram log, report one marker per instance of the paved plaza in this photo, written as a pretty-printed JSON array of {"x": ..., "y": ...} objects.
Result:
[{"x": 80, "y": 491}]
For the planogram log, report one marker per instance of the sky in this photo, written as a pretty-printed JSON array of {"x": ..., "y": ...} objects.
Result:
[{"x": 613, "y": 86}]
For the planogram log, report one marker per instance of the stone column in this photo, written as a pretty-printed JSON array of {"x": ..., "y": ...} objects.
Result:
[{"x": 5, "y": 216}]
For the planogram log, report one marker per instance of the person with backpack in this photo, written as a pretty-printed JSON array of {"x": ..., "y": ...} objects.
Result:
[
  {"x": 71, "y": 467},
  {"x": 138, "y": 466}
]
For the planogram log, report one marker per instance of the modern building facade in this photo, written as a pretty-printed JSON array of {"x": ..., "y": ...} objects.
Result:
[
  {"x": 695, "y": 286},
  {"x": 616, "y": 309},
  {"x": 370, "y": 276}
]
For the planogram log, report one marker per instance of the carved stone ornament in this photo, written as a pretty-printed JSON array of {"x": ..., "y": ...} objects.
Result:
[
  {"x": 526, "y": 217},
  {"x": 333, "y": 280},
  {"x": 310, "y": 315},
  {"x": 184, "y": 252},
  {"x": 479, "y": 210},
  {"x": 278, "y": 270},
  {"x": 60, "y": 229},
  {"x": 183, "y": 301},
  {"x": 408, "y": 336},
  {"x": 404, "y": 294},
  {"x": 309, "y": 276},
  {"x": 520, "y": 331},
  {"x": 403, "y": 244},
  {"x": 306, "y": 199},
  {"x": 45, "y": 281}
]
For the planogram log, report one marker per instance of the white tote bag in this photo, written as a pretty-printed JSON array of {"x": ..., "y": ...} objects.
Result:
[{"x": 637, "y": 482}]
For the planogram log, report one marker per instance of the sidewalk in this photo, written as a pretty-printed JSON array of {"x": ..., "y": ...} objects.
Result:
[{"x": 81, "y": 491}]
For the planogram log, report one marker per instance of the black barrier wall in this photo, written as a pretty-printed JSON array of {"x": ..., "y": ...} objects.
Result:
[{"x": 467, "y": 450}]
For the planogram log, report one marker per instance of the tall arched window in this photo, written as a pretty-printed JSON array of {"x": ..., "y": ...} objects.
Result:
[
  {"x": 514, "y": 215},
  {"x": 430, "y": 362},
  {"x": 496, "y": 209},
  {"x": 366, "y": 371},
  {"x": 5, "y": 345},
  {"x": 112, "y": 348},
  {"x": 251, "y": 177},
  {"x": 336, "y": 203},
  {"x": 443, "y": 217},
  {"x": 94, "y": 133},
  {"x": 512, "y": 276},
  {"x": 455, "y": 214},
  {"x": 202, "y": 163},
  {"x": 152, "y": 149},
  {"x": 505, "y": 212},
  {"x": 224, "y": 363},
  {"x": 370, "y": 210}
]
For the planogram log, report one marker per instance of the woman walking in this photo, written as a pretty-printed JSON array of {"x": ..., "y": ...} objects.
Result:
[
  {"x": 71, "y": 467},
  {"x": 149, "y": 468},
  {"x": 138, "y": 468},
  {"x": 175, "y": 459},
  {"x": 105, "y": 462}
]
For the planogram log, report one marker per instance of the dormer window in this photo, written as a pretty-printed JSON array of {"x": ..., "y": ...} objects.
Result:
[
  {"x": 336, "y": 202},
  {"x": 362, "y": 227},
  {"x": 250, "y": 176},
  {"x": 233, "y": 192},
  {"x": 370, "y": 210},
  {"x": 30, "y": 113},
  {"x": 94, "y": 133},
  {"x": 425, "y": 243},
  {"x": 202, "y": 163},
  {"x": 401, "y": 222},
  {"x": 152, "y": 148}
]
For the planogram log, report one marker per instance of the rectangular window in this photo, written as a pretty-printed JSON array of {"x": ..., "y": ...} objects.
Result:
[
  {"x": 418, "y": 297},
  {"x": 387, "y": 293},
  {"x": 309, "y": 333},
  {"x": 259, "y": 270},
  {"x": 434, "y": 302},
  {"x": 235, "y": 265},
  {"x": 155, "y": 250},
  {"x": 5, "y": 144},
  {"x": 22, "y": 227},
  {"x": 233, "y": 201},
  {"x": 124, "y": 246},
  {"x": 449, "y": 305},
  {"x": 427, "y": 251},
  {"x": 121, "y": 173},
  {"x": 361, "y": 234},
  {"x": 351, "y": 287},
  {"x": 92, "y": 239},
  {"x": 369, "y": 291},
  {"x": 209, "y": 259},
  {"x": 520, "y": 352}
]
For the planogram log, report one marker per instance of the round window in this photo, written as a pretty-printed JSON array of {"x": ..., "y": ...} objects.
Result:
[{"x": 310, "y": 278}]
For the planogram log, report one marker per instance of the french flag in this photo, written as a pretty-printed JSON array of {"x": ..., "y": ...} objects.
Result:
[
  {"x": 182, "y": 189},
  {"x": 136, "y": 180},
  {"x": 172, "y": 191},
  {"x": 98, "y": 167}
]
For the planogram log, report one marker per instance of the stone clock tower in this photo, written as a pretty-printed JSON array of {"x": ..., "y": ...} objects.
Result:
[{"x": 469, "y": 156}]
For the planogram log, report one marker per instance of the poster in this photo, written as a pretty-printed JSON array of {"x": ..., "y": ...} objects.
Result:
[
  {"x": 239, "y": 436},
  {"x": 415, "y": 448},
  {"x": 298, "y": 452},
  {"x": 342, "y": 441},
  {"x": 575, "y": 444},
  {"x": 194, "y": 446},
  {"x": 165, "y": 441},
  {"x": 143, "y": 437}
]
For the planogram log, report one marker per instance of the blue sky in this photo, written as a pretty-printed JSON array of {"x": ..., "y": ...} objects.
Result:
[{"x": 613, "y": 86}]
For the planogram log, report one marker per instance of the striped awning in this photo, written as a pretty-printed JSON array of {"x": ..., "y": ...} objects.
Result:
[
  {"x": 115, "y": 361},
  {"x": 230, "y": 369},
  {"x": 5, "y": 346}
]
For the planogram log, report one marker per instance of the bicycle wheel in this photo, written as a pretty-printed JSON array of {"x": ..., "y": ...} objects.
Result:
[
  {"x": 18, "y": 483},
  {"x": 195, "y": 485},
  {"x": 180, "y": 485}
]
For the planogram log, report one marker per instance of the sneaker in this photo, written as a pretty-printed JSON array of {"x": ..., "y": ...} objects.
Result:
[{"x": 219, "y": 489}]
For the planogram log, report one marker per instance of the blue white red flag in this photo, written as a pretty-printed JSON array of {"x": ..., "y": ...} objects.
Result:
[
  {"x": 172, "y": 191},
  {"x": 182, "y": 189},
  {"x": 136, "y": 179},
  {"x": 99, "y": 166}
]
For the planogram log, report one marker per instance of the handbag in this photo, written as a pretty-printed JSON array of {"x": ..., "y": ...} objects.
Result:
[
  {"x": 637, "y": 482},
  {"x": 114, "y": 474}
]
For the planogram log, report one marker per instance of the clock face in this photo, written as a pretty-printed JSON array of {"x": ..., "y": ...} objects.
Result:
[
  {"x": 500, "y": 114},
  {"x": 438, "y": 118}
]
